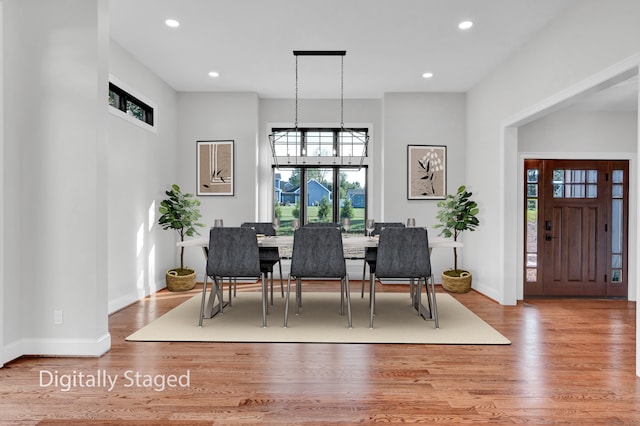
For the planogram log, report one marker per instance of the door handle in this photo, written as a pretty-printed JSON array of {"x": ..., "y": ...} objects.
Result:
[{"x": 548, "y": 237}]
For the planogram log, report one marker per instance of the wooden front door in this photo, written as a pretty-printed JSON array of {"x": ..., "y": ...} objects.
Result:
[{"x": 576, "y": 228}]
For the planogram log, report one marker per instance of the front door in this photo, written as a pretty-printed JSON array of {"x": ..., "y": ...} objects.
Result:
[{"x": 576, "y": 228}]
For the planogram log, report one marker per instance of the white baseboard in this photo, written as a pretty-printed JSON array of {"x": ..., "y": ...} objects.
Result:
[
  {"x": 58, "y": 347},
  {"x": 132, "y": 297}
]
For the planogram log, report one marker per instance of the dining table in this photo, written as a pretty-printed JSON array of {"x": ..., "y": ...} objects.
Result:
[{"x": 354, "y": 246}]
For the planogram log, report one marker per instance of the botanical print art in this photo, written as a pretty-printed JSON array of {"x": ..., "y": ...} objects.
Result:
[
  {"x": 426, "y": 172},
  {"x": 215, "y": 167}
]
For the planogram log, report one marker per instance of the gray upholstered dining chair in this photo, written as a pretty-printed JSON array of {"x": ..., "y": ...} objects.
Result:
[
  {"x": 318, "y": 253},
  {"x": 233, "y": 253},
  {"x": 269, "y": 256},
  {"x": 371, "y": 253},
  {"x": 403, "y": 253}
]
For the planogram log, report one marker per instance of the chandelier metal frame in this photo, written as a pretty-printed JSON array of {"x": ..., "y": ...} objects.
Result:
[{"x": 300, "y": 158}]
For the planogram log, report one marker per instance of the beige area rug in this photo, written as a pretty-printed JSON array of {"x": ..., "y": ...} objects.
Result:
[{"x": 320, "y": 322}]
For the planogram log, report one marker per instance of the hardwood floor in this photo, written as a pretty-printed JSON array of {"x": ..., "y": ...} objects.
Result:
[{"x": 570, "y": 361}]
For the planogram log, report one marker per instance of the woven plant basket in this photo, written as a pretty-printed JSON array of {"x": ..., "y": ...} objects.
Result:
[
  {"x": 461, "y": 284},
  {"x": 177, "y": 282}
]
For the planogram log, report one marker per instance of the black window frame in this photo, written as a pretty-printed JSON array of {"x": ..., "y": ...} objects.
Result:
[
  {"x": 335, "y": 168},
  {"x": 122, "y": 98}
]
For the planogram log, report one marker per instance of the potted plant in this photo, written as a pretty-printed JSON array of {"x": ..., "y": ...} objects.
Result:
[
  {"x": 180, "y": 212},
  {"x": 457, "y": 214}
]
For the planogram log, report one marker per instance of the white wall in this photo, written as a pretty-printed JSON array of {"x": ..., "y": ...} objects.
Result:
[
  {"x": 55, "y": 240},
  {"x": 577, "y": 45},
  {"x": 581, "y": 131},
  {"x": 423, "y": 119},
  {"x": 141, "y": 167},
  {"x": 218, "y": 116},
  {"x": 2, "y": 254}
]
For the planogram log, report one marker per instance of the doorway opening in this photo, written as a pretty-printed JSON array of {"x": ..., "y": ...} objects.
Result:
[{"x": 576, "y": 227}]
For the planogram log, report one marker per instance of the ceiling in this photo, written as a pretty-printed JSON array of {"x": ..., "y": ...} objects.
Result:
[
  {"x": 389, "y": 43},
  {"x": 620, "y": 97}
]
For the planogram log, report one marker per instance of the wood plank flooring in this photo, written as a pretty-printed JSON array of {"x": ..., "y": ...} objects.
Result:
[{"x": 571, "y": 362}]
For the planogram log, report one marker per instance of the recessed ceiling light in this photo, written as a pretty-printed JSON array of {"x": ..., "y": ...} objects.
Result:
[
  {"x": 427, "y": 75},
  {"x": 172, "y": 23},
  {"x": 213, "y": 74},
  {"x": 465, "y": 25}
]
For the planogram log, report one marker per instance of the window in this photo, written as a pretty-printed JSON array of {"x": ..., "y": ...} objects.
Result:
[
  {"x": 575, "y": 183},
  {"x": 617, "y": 225},
  {"x": 317, "y": 187},
  {"x": 532, "y": 212},
  {"x": 130, "y": 105}
]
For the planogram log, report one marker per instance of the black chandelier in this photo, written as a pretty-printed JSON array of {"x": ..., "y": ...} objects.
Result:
[{"x": 352, "y": 143}]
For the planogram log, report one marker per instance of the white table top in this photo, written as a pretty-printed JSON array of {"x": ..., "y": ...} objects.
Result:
[{"x": 348, "y": 241}]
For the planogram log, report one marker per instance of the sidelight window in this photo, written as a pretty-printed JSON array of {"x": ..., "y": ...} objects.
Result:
[
  {"x": 617, "y": 228},
  {"x": 532, "y": 213}
]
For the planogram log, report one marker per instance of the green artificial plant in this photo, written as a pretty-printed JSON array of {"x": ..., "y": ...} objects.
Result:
[
  {"x": 181, "y": 213},
  {"x": 457, "y": 214}
]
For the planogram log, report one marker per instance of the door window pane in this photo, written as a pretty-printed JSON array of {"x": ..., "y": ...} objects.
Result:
[
  {"x": 618, "y": 176},
  {"x": 616, "y": 276},
  {"x": 573, "y": 183}
]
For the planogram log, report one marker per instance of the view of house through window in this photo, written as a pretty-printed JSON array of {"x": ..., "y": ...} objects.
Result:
[{"x": 326, "y": 192}]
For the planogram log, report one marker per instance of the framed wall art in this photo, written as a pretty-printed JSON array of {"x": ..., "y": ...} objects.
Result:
[
  {"x": 215, "y": 167},
  {"x": 426, "y": 172}
]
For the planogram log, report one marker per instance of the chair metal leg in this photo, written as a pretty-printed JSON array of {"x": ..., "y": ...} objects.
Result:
[
  {"x": 220, "y": 291},
  {"x": 372, "y": 298},
  {"x": 204, "y": 296},
  {"x": 286, "y": 303},
  {"x": 342, "y": 290},
  {"x": 364, "y": 271},
  {"x": 281, "y": 285},
  {"x": 434, "y": 304},
  {"x": 213, "y": 294},
  {"x": 418, "y": 297},
  {"x": 264, "y": 277},
  {"x": 431, "y": 297},
  {"x": 346, "y": 280},
  {"x": 264, "y": 300},
  {"x": 298, "y": 295},
  {"x": 231, "y": 284},
  {"x": 412, "y": 293}
]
